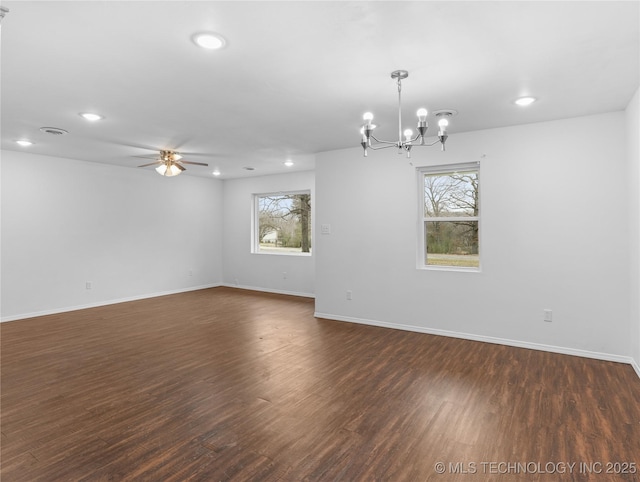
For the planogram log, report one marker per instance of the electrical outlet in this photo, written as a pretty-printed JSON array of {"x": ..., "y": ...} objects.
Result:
[
  {"x": 190, "y": 272},
  {"x": 349, "y": 295},
  {"x": 548, "y": 315},
  {"x": 284, "y": 275},
  {"x": 88, "y": 285}
]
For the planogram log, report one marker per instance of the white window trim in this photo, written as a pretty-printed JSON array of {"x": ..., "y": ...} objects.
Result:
[
  {"x": 255, "y": 220},
  {"x": 421, "y": 248}
]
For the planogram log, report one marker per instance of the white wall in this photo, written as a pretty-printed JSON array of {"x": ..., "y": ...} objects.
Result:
[
  {"x": 130, "y": 232},
  {"x": 568, "y": 239},
  {"x": 554, "y": 235},
  {"x": 264, "y": 271},
  {"x": 633, "y": 152}
]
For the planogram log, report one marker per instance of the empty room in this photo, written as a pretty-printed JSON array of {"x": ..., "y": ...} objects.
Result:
[{"x": 320, "y": 241}]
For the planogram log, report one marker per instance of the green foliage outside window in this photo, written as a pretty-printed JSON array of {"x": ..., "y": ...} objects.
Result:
[
  {"x": 284, "y": 223},
  {"x": 451, "y": 218}
]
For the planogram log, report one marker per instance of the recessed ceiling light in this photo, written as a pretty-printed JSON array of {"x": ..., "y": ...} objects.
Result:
[
  {"x": 525, "y": 101},
  {"x": 24, "y": 142},
  {"x": 90, "y": 116},
  {"x": 288, "y": 163},
  {"x": 216, "y": 172},
  {"x": 209, "y": 40}
]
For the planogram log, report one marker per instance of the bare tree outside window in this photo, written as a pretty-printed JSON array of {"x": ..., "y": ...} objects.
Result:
[
  {"x": 451, "y": 217},
  {"x": 283, "y": 223}
]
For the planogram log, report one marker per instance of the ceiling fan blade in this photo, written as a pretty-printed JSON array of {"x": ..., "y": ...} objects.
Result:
[
  {"x": 151, "y": 164},
  {"x": 194, "y": 163},
  {"x": 201, "y": 154},
  {"x": 148, "y": 156},
  {"x": 178, "y": 143},
  {"x": 177, "y": 164},
  {"x": 130, "y": 144}
]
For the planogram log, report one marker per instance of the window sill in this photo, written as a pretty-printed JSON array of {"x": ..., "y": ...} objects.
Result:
[
  {"x": 266, "y": 253},
  {"x": 459, "y": 269}
]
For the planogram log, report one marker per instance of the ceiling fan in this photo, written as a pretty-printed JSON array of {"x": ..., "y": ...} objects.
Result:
[{"x": 171, "y": 163}]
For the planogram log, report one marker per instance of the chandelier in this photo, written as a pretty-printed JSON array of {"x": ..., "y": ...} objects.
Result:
[{"x": 404, "y": 145}]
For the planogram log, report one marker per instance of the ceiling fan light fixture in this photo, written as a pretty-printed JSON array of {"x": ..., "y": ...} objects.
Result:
[
  {"x": 24, "y": 142},
  {"x": 168, "y": 169},
  {"x": 209, "y": 40},
  {"x": 170, "y": 164}
]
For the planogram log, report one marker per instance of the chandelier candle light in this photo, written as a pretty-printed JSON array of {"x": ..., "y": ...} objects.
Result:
[{"x": 409, "y": 141}]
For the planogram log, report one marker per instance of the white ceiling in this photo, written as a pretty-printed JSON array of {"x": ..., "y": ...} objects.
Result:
[{"x": 296, "y": 77}]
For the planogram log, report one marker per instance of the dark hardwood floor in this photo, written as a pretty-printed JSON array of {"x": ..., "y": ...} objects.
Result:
[{"x": 225, "y": 384}]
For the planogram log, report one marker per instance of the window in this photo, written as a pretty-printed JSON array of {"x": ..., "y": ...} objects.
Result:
[
  {"x": 282, "y": 223},
  {"x": 450, "y": 216}
]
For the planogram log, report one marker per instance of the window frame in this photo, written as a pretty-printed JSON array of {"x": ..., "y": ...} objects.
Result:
[
  {"x": 255, "y": 222},
  {"x": 421, "y": 172}
]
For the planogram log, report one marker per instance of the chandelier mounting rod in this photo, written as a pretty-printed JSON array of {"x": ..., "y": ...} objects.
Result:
[{"x": 399, "y": 75}]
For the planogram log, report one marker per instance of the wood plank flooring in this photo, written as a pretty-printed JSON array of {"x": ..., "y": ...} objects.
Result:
[{"x": 225, "y": 384}]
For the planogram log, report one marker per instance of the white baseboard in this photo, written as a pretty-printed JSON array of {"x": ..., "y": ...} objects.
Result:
[
  {"x": 488, "y": 339},
  {"x": 417, "y": 329},
  {"x": 268, "y": 290},
  {"x": 636, "y": 367},
  {"x": 105, "y": 303}
]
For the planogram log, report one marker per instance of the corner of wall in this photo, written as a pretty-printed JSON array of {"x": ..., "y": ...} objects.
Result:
[{"x": 633, "y": 157}]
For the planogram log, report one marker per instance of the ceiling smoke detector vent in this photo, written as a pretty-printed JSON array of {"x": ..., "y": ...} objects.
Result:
[
  {"x": 445, "y": 112},
  {"x": 55, "y": 131}
]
